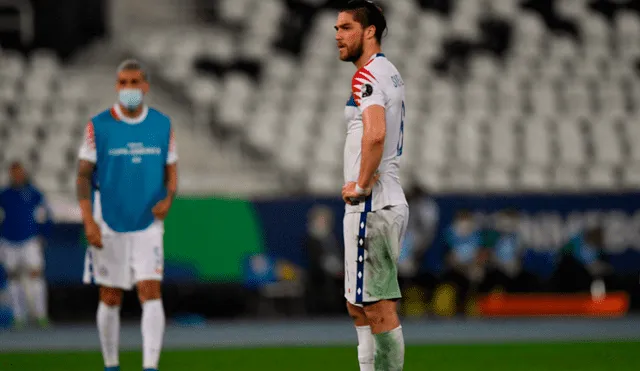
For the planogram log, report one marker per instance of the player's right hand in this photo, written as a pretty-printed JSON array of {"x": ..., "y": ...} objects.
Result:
[{"x": 92, "y": 231}]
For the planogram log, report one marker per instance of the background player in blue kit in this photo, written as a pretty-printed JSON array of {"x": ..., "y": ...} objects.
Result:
[
  {"x": 131, "y": 149},
  {"x": 26, "y": 219}
]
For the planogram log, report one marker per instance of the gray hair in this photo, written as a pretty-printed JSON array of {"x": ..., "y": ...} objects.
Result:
[{"x": 133, "y": 65}]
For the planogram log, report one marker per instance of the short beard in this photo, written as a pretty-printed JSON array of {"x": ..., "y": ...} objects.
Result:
[{"x": 357, "y": 53}]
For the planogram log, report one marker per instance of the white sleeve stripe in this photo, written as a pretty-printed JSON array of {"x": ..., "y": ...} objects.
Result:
[{"x": 172, "y": 158}]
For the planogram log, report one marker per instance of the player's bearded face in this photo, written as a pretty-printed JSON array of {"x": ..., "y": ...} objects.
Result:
[
  {"x": 349, "y": 37},
  {"x": 355, "y": 50}
]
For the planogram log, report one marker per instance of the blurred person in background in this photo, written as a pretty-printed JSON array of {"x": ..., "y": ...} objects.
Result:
[
  {"x": 421, "y": 231},
  {"x": 130, "y": 149},
  {"x": 582, "y": 262},
  {"x": 465, "y": 259},
  {"x": 505, "y": 271},
  {"x": 376, "y": 214},
  {"x": 26, "y": 223},
  {"x": 325, "y": 257}
]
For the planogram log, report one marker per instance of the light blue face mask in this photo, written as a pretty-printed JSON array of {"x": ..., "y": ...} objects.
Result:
[{"x": 130, "y": 98}]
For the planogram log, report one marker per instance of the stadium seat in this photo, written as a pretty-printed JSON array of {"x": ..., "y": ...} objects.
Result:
[
  {"x": 631, "y": 177},
  {"x": 567, "y": 178},
  {"x": 324, "y": 183},
  {"x": 600, "y": 178},
  {"x": 606, "y": 145},
  {"x": 236, "y": 92},
  {"x": 468, "y": 141},
  {"x": 537, "y": 142},
  {"x": 497, "y": 179},
  {"x": 462, "y": 178},
  {"x": 430, "y": 178},
  {"x": 570, "y": 142},
  {"x": 533, "y": 178}
]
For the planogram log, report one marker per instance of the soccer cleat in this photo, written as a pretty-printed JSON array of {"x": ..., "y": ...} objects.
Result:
[
  {"x": 150, "y": 369},
  {"x": 113, "y": 368}
]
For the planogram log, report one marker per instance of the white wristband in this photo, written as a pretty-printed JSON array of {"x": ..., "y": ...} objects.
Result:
[{"x": 360, "y": 191}]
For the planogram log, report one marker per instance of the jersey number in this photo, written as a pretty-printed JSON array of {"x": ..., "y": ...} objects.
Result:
[{"x": 401, "y": 138}]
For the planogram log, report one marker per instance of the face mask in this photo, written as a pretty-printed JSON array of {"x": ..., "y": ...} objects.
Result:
[{"x": 130, "y": 98}]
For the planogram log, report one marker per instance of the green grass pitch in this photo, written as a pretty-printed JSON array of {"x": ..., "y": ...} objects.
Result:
[{"x": 619, "y": 356}]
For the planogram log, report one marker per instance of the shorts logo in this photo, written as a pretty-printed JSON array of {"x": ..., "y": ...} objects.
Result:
[
  {"x": 103, "y": 271},
  {"x": 367, "y": 90}
]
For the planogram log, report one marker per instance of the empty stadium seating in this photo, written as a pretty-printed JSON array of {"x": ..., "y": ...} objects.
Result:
[
  {"x": 42, "y": 117},
  {"x": 501, "y": 95},
  {"x": 556, "y": 110}
]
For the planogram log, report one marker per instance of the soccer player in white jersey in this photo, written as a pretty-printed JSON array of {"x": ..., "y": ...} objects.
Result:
[
  {"x": 130, "y": 149},
  {"x": 377, "y": 213}
]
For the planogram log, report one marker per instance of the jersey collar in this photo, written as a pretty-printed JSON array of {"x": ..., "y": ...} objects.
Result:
[
  {"x": 376, "y": 56},
  {"x": 117, "y": 112}
]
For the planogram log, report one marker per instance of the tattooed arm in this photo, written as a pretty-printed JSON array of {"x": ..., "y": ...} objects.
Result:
[{"x": 83, "y": 189}]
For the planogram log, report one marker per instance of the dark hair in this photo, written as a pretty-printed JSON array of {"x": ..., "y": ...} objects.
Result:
[
  {"x": 133, "y": 65},
  {"x": 15, "y": 164},
  {"x": 367, "y": 14}
]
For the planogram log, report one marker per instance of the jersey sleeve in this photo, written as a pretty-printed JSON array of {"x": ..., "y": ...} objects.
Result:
[
  {"x": 172, "y": 155},
  {"x": 88, "y": 150},
  {"x": 367, "y": 89}
]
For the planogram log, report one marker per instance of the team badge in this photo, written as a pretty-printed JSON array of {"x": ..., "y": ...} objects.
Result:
[
  {"x": 103, "y": 271},
  {"x": 367, "y": 90}
]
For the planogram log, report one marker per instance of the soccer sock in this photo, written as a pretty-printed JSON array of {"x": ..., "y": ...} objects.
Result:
[
  {"x": 15, "y": 290},
  {"x": 365, "y": 348},
  {"x": 153, "y": 323},
  {"x": 37, "y": 292},
  {"x": 108, "y": 319},
  {"x": 389, "y": 350}
]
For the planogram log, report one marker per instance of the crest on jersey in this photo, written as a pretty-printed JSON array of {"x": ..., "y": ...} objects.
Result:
[{"x": 367, "y": 90}]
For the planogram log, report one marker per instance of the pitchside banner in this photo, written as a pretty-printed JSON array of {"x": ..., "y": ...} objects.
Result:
[
  {"x": 208, "y": 239},
  {"x": 205, "y": 241}
]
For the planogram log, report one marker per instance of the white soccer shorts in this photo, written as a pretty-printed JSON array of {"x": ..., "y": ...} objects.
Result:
[
  {"x": 22, "y": 257},
  {"x": 125, "y": 258},
  {"x": 372, "y": 248}
]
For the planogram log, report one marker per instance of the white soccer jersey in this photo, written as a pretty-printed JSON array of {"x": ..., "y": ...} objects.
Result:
[{"x": 377, "y": 83}]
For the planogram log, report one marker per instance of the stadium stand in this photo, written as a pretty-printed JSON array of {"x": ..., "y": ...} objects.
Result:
[
  {"x": 42, "y": 116},
  {"x": 502, "y": 95}
]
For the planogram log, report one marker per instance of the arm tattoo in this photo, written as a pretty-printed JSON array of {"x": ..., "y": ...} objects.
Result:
[{"x": 85, "y": 172}]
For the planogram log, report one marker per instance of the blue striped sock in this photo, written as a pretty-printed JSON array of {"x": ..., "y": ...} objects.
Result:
[{"x": 113, "y": 368}]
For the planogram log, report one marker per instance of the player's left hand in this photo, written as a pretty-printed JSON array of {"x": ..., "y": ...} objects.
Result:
[
  {"x": 349, "y": 194},
  {"x": 161, "y": 209}
]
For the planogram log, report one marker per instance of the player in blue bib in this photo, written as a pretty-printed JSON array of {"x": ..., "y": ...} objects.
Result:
[{"x": 129, "y": 153}]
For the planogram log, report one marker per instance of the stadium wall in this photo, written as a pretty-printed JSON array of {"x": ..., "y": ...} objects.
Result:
[{"x": 208, "y": 239}]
